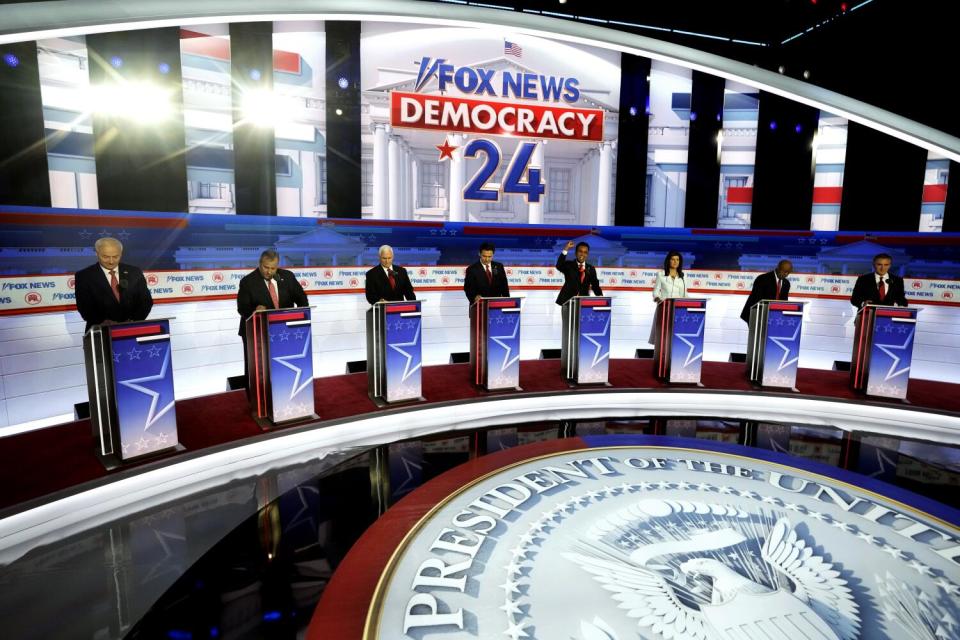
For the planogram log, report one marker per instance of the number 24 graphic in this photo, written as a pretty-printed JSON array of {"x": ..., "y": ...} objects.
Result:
[{"x": 513, "y": 182}]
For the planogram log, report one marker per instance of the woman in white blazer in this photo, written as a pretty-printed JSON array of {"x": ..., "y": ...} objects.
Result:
[{"x": 670, "y": 284}]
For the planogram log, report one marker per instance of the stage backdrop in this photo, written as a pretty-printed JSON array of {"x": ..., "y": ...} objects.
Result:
[{"x": 194, "y": 262}]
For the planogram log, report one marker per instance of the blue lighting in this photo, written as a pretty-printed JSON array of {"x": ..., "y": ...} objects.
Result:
[
  {"x": 773, "y": 125},
  {"x": 163, "y": 68},
  {"x": 11, "y": 60},
  {"x": 254, "y": 74},
  {"x": 177, "y": 634},
  {"x": 693, "y": 115},
  {"x": 719, "y": 117},
  {"x": 272, "y": 615},
  {"x": 342, "y": 82},
  {"x": 798, "y": 128},
  {"x": 214, "y": 632},
  {"x": 116, "y": 62},
  {"x": 633, "y": 111}
]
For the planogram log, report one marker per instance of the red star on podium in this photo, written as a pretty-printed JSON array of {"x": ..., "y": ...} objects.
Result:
[{"x": 446, "y": 150}]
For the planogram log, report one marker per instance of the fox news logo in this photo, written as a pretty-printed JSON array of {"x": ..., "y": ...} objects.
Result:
[{"x": 483, "y": 82}]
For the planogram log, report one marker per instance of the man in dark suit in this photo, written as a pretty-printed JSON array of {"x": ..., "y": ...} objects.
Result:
[
  {"x": 879, "y": 287},
  {"x": 772, "y": 285},
  {"x": 388, "y": 282},
  {"x": 579, "y": 277},
  {"x": 485, "y": 278},
  {"x": 267, "y": 287},
  {"x": 111, "y": 291}
]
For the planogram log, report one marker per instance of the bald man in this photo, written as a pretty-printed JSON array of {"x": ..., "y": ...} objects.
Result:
[{"x": 111, "y": 291}]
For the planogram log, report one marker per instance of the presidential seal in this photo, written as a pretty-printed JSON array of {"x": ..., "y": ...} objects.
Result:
[{"x": 629, "y": 542}]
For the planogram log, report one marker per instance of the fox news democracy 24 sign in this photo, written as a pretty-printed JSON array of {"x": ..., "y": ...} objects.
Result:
[{"x": 556, "y": 120}]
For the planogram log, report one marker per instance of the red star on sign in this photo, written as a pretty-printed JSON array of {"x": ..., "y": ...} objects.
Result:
[{"x": 446, "y": 150}]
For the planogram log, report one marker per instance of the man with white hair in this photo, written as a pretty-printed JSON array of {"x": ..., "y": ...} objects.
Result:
[
  {"x": 111, "y": 291},
  {"x": 388, "y": 282}
]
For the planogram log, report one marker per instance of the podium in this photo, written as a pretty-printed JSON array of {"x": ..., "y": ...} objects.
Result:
[
  {"x": 883, "y": 350},
  {"x": 280, "y": 366},
  {"x": 394, "y": 355},
  {"x": 130, "y": 385},
  {"x": 678, "y": 347},
  {"x": 495, "y": 343},
  {"x": 773, "y": 345},
  {"x": 585, "y": 346}
]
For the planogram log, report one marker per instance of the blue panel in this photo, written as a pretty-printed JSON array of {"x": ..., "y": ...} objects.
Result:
[
  {"x": 686, "y": 347},
  {"x": 291, "y": 366},
  {"x": 594, "y": 347},
  {"x": 403, "y": 357},
  {"x": 503, "y": 347}
]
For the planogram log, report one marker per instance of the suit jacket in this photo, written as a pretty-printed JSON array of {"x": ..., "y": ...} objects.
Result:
[
  {"x": 95, "y": 299},
  {"x": 866, "y": 291},
  {"x": 253, "y": 292},
  {"x": 764, "y": 288},
  {"x": 475, "y": 282},
  {"x": 571, "y": 285},
  {"x": 378, "y": 285}
]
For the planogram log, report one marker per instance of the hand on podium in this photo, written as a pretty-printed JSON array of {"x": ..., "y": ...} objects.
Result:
[
  {"x": 477, "y": 298},
  {"x": 260, "y": 307}
]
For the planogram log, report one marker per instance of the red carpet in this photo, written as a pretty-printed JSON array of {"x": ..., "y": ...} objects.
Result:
[{"x": 43, "y": 462}]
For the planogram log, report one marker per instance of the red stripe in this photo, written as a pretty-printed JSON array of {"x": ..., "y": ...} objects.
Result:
[
  {"x": 827, "y": 195},
  {"x": 479, "y": 356},
  {"x": 146, "y": 330},
  {"x": 504, "y": 304},
  {"x": 286, "y": 61},
  {"x": 64, "y": 220},
  {"x": 283, "y": 317},
  {"x": 785, "y": 307},
  {"x": 753, "y": 232},
  {"x": 357, "y": 222},
  {"x": 890, "y": 313},
  {"x": 596, "y": 302},
  {"x": 934, "y": 193},
  {"x": 692, "y": 304},
  {"x": 533, "y": 230},
  {"x": 256, "y": 364},
  {"x": 402, "y": 308},
  {"x": 739, "y": 195}
]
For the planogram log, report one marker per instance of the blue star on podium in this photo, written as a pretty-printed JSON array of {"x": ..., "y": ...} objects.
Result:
[
  {"x": 409, "y": 368},
  {"x": 137, "y": 384},
  {"x": 788, "y": 345},
  {"x": 304, "y": 354},
  {"x": 691, "y": 356},
  {"x": 888, "y": 349},
  {"x": 507, "y": 343},
  {"x": 597, "y": 355}
]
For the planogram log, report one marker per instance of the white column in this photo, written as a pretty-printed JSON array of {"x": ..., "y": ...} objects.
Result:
[
  {"x": 404, "y": 210},
  {"x": 589, "y": 184},
  {"x": 535, "y": 209},
  {"x": 603, "y": 183},
  {"x": 458, "y": 176},
  {"x": 393, "y": 161},
  {"x": 380, "y": 168},
  {"x": 412, "y": 183}
]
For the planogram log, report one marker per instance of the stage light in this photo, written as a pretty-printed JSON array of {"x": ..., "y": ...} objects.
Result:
[
  {"x": 263, "y": 108},
  {"x": 339, "y": 112},
  {"x": 116, "y": 62},
  {"x": 163, "y": 68},
  {"x": 693, "y": 115},
  {"x": 11, "y": 60},
  {"x": 781, "y": 69},
  {"x": 806, "y": 74},
  {"x": 719, "y": 117},
  {"x": 773, "y": 125},
  {"x": 140, "y": 102},
  {"x": 255, "y": 74},
  {"x": 843, "y": 6},
  {"x": 342, "y": 82},
  {"x": 798, "y": 128},
  {"x": 633, "y": 111}
]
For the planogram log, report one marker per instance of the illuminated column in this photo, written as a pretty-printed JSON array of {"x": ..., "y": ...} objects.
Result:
[
  {"x": 603, "y": 183},
  {"x": 458, "y": 176},
  {"x": 380, "y": 168},
  {"x": 535, "y": 209},
  {"x": 394, "y": 171}
]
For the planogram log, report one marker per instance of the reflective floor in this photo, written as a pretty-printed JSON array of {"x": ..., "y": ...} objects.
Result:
[{"x": 250, "y": 560}]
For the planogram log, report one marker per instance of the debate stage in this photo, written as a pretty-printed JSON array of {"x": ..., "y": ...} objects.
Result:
[{"x": 42, "y": 466}]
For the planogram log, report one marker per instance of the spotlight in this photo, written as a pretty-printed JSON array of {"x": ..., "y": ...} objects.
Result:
[
  {"x": 143, "y": 103},
  {"x": 11, "y": 60},
  {"x": 781, "y": 69},
  {"x": 798, "y": 128},
  {"x": 163, "y": 68},
  {"x": 633, "y": 111},
  {"x": 342, "y": 82},
  {"x": 263, "y": 108},
  {"x": 116, "y": 62},
  {"x": 693, "y": 115},
  {"x": 773, "y": 125},
  {"x": 806, "y": 74},
  {"x": 843, "y": 6},
  {"x": 255, "y": 74},
  {"x": 339, "y": 112},
  {"x": 719, "y": 117}
]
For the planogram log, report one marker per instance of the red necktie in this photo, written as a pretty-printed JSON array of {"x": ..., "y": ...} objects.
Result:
[
  {"x": 393, "y": 281},
  {"x": 582, "y": 272},
  {"x": 778, "y": 288},
  {"x": 114, "y": 284},
  {"x": 489, "y": 275},
  {"x": 273, "y": 295},
  {"x": 882, "y": 290}
]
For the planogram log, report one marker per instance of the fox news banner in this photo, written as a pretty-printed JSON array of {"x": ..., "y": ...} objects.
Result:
[{"x": 625, "y": 537}]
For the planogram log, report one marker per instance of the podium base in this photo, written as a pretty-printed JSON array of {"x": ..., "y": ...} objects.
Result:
[
  {"x": 572, "y": 383},
  {"x": 381, "y": 403},
  {"x": 266, "y": 424},
  {"x": 480, "y": 387},
  {"x": 112, "y": 463}
]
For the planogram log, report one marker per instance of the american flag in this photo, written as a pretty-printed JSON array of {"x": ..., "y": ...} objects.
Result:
[{"x": 512, "y": 49}]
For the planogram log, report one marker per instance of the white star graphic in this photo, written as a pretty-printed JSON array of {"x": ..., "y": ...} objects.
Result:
[
  {"x": 888, "y": 349},
  {"x": 154, "y": 351},
  {"x": 153, "y": 415},
  {"x": 507, "y": 347},
  {"x": 408, "y": 370},
  {"x": 597, "y": 355},
  {"x": 297, "y": 386},
  {"x": 784, "y": 363},
  {"x": 134, "y": 353},
  {"x": 690, "y": 354}
]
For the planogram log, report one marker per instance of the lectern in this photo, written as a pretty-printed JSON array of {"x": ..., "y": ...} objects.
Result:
[
  {"x": 280, "y": 366},
  {"x": 394, "y": 354},
  {"x": 585, "y": 345},
  {"x": 130, "y": 384},
  {"x": 773, "y": 345},
  {"x": 678, "y": 344},
  {"x": 883, "y": 350},
  {"x": 495, "y": 343}
]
